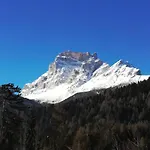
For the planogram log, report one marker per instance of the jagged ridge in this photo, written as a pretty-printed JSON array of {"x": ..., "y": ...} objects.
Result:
[{"x": 74, "y": 72}]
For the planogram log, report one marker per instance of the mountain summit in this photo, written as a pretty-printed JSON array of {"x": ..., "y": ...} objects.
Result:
[{"x": 73, "y": 72}]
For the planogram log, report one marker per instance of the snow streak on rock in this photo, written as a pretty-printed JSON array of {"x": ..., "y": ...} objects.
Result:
[{"x": 74, "y": 72}]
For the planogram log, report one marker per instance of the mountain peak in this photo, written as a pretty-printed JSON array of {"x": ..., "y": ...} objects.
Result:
[
  {"x": 80, "y": 56},
  {"x": 122, "y": 62},
  {"x": 74, "y": 72}
]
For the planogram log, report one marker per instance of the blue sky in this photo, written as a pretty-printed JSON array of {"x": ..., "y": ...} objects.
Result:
[{"x": 33, "y": 32}]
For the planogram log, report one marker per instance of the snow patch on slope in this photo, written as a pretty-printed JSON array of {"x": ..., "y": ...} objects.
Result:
[{"x": 74, "y": 72}]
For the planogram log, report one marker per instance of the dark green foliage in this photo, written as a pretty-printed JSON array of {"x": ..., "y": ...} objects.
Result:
[
  {"x": 9, "y": 90},
  {"x": 114, "y": 119}
]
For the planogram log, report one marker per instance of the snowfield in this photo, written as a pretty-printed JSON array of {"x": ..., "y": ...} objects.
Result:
[{"x": 74, "y": 72}]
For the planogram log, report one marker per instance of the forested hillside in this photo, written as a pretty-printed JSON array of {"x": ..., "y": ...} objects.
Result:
[{"x": 114, "y": 119}]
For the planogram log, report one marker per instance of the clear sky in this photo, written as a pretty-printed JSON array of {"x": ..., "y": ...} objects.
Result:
[{"x": 33, "y": 32}]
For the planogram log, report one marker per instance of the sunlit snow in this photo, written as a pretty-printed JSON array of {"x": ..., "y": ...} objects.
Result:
[{"x": 74, "y": 72}]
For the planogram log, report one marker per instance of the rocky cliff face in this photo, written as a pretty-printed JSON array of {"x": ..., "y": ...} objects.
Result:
[{"x": 74, "y": 72}]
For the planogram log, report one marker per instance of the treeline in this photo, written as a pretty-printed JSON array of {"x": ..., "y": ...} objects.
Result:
[{"x": 114, "y": 119}]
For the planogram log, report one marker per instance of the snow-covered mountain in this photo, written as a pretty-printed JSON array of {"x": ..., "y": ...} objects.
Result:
[{"x": 74, "y": 72}]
